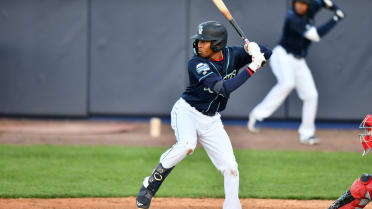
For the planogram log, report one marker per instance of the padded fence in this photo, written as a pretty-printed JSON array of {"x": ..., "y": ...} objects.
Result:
[{"x": 95, "y": 57}]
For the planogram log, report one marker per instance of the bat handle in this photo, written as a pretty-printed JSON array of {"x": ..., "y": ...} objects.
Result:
[{"x": 238, "y": 30}]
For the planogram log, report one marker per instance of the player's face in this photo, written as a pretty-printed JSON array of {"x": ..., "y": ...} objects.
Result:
[
  {"x": 204, "y": 49},
  {"x": 301, "y": 7}
]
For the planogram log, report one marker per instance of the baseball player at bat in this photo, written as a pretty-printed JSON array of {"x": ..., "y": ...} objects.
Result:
[
  {"x": 359, "y": 193},
  {"x": 215, "y": 71},
  {"x": 289, "y": 66}
]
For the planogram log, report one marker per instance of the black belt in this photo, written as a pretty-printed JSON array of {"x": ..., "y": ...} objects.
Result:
[
  {"x": 297, "y": 56},
  {"x": 207, "y": 113}
]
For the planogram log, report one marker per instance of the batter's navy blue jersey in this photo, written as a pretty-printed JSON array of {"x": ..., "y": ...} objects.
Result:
[
  {"x": 296, "y": 26},
  {"x": 204, "y": 98}
]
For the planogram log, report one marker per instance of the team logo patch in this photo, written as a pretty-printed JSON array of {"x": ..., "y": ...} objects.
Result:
[
  {"x": 202, "y": 67},
  {"x": 200, "y": 30}
]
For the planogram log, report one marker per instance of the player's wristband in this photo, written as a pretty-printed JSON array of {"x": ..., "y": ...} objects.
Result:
[{"x": 251, "y": 72}]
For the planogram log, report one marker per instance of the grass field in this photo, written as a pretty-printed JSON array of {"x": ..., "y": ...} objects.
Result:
[{"x": 106, "y": 171}]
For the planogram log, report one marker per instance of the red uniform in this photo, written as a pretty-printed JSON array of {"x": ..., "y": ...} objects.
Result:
[
  {"x": 359, "y": 194},
  {"x": 360, "y": 191}
]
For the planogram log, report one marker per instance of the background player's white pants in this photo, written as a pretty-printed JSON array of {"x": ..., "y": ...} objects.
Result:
[
  {"x": 290, "y": 73},
  {"x": 188, "y": 124}
]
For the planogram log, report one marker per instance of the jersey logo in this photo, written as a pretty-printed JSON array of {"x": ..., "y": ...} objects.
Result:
[
  {"x": 200, "y": 31},
  {"x": 202, "y": 68},
  {"x": 209, "y": 90},
  {"x": 231, "y": 75}
]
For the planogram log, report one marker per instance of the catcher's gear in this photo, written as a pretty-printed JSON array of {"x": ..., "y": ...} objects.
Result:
[
  {"x": 211, "y": 31},
  {"x": 366, "y": 137},
  {"x": 157, "y": 177},
  {"x": 358, "y": 196},
  {"x": 345, "y": 199}
]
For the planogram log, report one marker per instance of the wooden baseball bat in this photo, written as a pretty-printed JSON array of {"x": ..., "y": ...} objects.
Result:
[{"x": 222, "y": 7}]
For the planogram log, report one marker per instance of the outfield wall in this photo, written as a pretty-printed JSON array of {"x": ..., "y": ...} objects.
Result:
[{"x": 113, "y": 57}]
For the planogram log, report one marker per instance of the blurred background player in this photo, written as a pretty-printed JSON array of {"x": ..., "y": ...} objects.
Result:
[
  {"x": 214, "y": 72},
  {"x": 289, "y": 66},
  {"x": 359, "y": 194}
]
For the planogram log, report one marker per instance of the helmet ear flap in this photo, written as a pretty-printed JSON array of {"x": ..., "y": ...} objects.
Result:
[
  {"x": 217, "y": 45},
  {"x": 214, "y": 46},
  {"x": 195, "y": 47}
]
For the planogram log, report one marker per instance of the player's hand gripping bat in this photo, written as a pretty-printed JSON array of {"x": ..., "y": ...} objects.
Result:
[{"x": 222, "y": 7}]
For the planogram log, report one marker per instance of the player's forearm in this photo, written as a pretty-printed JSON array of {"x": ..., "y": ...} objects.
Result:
[
  {"x": 225, "y": 87},
  {"x": 324, "y": 29},
  {"x": 329, "y": 4}
]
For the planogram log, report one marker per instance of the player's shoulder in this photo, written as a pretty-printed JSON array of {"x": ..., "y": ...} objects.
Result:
[
  {"x": 198, "y": 64},
  {"x": 235, "y": 50},
  {"x": 317, "y": 3},
  {"x": 195, "y": 60},
  {"x": 294, "y": 19},
  {"x": 292, "y": 16}
]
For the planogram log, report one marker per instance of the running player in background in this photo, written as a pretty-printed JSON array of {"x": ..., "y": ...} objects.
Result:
[
  {"x": 289, "y": 66},
  {"x": 214, "y": 72}
]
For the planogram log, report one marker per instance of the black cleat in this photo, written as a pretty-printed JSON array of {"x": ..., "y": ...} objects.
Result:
[{"x": 144, "y": 197}]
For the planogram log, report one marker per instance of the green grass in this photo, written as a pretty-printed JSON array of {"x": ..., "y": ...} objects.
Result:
[{"x": 107, "y": 171}]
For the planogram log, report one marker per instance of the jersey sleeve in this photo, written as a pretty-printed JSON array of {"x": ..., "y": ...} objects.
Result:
[
  {"x": 241, "y": 56},
  {"x": 316, "y": 6},
  {"x": 200, "y": 70}
]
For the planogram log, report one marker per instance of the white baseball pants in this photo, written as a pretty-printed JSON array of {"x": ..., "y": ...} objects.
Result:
[
  {"x": 188, "y": 124},
  {"x": 290, "y": 73}
]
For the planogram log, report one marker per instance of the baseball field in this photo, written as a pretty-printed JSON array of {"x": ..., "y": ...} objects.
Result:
[{"x": 100, "y": 164}]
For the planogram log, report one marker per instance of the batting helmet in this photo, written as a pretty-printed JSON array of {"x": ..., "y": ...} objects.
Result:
[
  {"x": 304, "y": 1},
  {"x": 366, "y": 137},
  {"x": 308, "y": 2},
  {"x": 211, "y": 31}
]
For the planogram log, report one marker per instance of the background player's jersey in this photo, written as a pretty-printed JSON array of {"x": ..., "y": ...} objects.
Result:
[
  {"x": 200, "y": 96},
  {"x": 295, "y": 26}
]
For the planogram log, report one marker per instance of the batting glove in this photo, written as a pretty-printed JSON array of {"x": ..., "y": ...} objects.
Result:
[
  {"x": 328, "y": 3},
  {"x": 252, "y": 48},
  {"x": 339, "y": 15},
  {"x": 258, "y": 60}
]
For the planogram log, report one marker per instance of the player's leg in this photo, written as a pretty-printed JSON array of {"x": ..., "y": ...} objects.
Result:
[
  {"x": 305, "y": 87},
  {"x": 281, "y": 66},
  {"x": 183, "y": 125},
  {"x": 217, "y": 144},
  {"x": 358, "y": 196}
]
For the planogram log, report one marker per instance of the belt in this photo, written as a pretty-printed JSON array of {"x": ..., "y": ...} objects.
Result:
[
  {"x": 207, "y": 113},
  {"x": 297, "y": 56}
]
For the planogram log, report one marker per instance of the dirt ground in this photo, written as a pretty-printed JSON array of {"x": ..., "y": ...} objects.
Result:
[{"x": 137, "y": 134}]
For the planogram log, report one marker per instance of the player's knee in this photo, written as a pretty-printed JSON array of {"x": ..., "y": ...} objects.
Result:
[
  {"x": 312, "y": 96},
  {"x": 231, "y": 169},
  {"x": 286, "y": 87},
  {"x": 188, "y": 147},
  {"x": 365, "y": 178}
]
